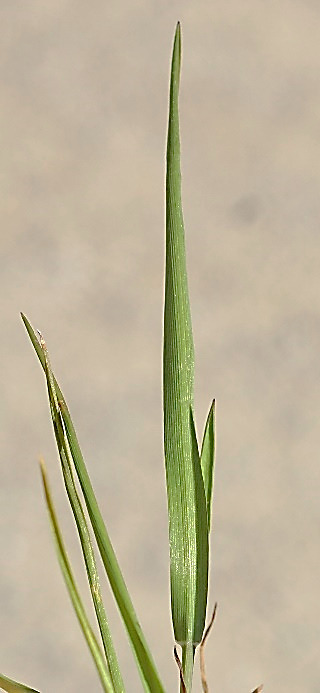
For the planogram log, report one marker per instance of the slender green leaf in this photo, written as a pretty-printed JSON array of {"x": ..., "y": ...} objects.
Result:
[
  {"x": 207, "y": 458},
  {"x": 13, "y": 687},
  {"x": 188, "y": 531},
  {"x": 88, "y": 633},
  {"x": 147, "y": 669},
  {"x": 82, "y": 527}
]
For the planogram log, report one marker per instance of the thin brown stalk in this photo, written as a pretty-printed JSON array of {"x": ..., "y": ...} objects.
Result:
[
  {"x": 205, "y": 687},
  {"x": 183, "y": 688}
]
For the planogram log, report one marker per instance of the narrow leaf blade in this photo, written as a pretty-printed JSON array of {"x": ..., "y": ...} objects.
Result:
[
  {"x": 188, "y": 533},
  {"x": 208, "y": 459}
]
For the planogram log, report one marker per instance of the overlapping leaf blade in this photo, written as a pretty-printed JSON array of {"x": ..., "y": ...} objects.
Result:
[
  {"x": 82, "y": 527},
  {"x": 66, "y": 570},
  {"x": 147, "y": 669}
]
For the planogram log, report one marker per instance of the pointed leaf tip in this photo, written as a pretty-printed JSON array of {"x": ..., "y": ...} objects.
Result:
[{"x": 207, "y": 458}]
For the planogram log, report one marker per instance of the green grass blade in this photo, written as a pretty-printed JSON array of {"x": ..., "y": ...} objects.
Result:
[
  {"x": 88, "y": 633},
  {"x": 13, "y": 687},
  {"x": 207, "y": 458},
  {"x": 147, "y": 669},
  {"x": 82, "y": 527},
  {"x": 188, "y": 531}
]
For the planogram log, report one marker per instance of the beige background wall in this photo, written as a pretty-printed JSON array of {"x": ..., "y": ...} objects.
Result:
[{"x": 83, "y": 111}]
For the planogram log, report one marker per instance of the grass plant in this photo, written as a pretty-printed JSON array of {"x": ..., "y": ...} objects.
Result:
[{"x": 189, "y": 475}]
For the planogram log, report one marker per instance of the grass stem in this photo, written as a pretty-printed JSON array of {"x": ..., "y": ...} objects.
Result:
[{"x": 187, "y": 664}]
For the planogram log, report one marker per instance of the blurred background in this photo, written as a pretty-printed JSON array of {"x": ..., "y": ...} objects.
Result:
[{"x": 83, "y": 113}]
